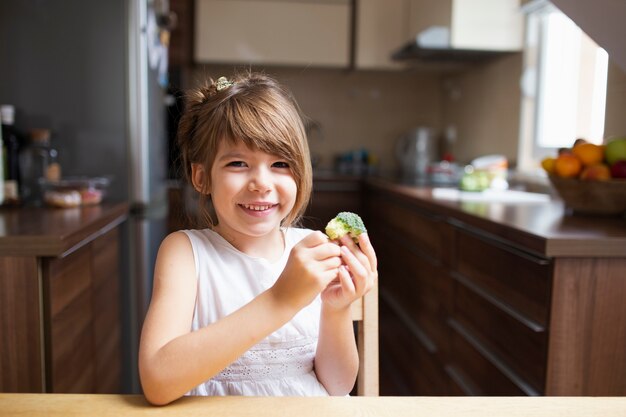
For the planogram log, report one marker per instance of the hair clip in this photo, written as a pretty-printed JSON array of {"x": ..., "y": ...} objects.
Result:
[{"x": 223, "y": 83}]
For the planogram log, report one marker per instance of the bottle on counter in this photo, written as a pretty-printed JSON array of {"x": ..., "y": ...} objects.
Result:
[
  {"x": 2, "y": 157},
  {"x": 10, "y": 150},
  {"x": 38, "y": 161}
]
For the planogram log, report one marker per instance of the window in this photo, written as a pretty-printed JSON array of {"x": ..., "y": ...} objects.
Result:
[{"x": 563, "y": 85}]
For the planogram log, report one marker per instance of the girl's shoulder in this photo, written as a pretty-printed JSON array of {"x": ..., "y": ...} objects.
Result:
[{"x": 205, "y": 238}]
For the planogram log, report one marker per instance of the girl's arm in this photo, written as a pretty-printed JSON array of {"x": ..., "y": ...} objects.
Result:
[
  {"x": 173, "y": 360},
  {"x": 336, "y": 359}
]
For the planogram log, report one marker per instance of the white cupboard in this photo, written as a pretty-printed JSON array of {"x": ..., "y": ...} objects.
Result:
[
  {"x": 279, "y": 32},
  {"x": 381, "y": 28},
  {"x": 486, "y": 25}
]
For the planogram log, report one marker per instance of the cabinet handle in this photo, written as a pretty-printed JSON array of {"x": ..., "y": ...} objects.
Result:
[
  {"x": 424, "y": 340},
  {"x": 499, "y": 304},
  {"x": 459, "y": 378},
  {"x": 499, "y": 243}
]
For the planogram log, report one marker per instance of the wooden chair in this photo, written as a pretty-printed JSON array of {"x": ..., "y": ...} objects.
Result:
[{"x": 365, "y": 313}]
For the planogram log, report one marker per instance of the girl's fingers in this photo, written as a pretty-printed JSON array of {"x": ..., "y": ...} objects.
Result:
[
  {"x": 368, "y": 250},
  {"x": 358, "y": 271},
  {"x": 356, "y": 251},
  {"x": 325, "y": 251},
  {"x": 347, "y": 285},
  {"x": 330, "y": 263}
]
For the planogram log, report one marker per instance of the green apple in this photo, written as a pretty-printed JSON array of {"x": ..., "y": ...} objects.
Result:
[{"x": 615, "y": 150}]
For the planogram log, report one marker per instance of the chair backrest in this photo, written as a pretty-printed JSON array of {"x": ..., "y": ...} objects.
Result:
[{"x": 365, "y": 313}]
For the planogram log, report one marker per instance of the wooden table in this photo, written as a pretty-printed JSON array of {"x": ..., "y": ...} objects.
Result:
[{"x": 134, "y": 405}]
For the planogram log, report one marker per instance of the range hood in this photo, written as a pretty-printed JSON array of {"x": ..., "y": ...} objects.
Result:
[{"x": 434, "y": 45}]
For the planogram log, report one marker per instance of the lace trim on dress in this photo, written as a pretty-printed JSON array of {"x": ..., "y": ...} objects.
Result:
[{"x": 272, "y": 361}]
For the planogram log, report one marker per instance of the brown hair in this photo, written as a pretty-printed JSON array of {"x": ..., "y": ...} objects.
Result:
[{"x": 252, "y": 108}]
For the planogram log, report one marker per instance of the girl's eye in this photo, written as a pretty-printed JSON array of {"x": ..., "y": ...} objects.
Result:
[
  {"x": 237, "y": 164},
  {"x": 280, "y": 164}
]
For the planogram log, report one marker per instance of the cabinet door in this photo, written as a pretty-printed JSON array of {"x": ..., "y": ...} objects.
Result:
[
  {"x": 487, "y": 24},
  {"x": 70, "y": 349},
  {"x": 382, "y": 27},
  {"x": 273, "y": 32},
  {"x": 500, "y": 314},
  {"x": 106, "y": 313},
  {"x": 478, "y": 24},
  {"x": 20, "y": 325}
]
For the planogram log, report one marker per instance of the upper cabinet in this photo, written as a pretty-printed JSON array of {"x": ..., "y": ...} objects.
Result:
[
  {"x": 431, "y": 31},
  {"x": 489, "y": 25},
  {"x": 323, "y": 33},
  {"x": 280, "y": 32},
  {"x": 382, "y": 26}
]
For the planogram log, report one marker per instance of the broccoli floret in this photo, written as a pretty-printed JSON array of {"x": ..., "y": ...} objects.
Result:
[{"x": 345, "y": 223}]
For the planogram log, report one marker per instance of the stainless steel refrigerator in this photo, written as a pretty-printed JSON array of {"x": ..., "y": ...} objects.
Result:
[{"x": 94, "y": 73}]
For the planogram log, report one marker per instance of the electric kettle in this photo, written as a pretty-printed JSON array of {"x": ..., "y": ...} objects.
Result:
[{"x": 415, "y": 150}]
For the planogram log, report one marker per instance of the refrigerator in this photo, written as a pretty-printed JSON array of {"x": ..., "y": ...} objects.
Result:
[{"x": 95, "y": 74}]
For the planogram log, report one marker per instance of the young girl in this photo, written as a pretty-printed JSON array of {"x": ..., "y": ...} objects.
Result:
[{"x": 251, "y": 305}]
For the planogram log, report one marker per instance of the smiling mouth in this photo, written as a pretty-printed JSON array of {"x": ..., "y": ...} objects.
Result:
[{"x": 254, "y": 207}]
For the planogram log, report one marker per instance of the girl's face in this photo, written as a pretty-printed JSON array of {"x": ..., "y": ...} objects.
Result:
[{"x": 252, "y": 191}]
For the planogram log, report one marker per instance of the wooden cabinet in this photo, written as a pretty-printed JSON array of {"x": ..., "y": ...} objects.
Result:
[
  {"x": 60, "y": 309},
  {"x": 469, "y": 307},
  {"x": 488, "y": 25},
  {"x": 477, "y": 308},
  {"x": 415, "y": 292},
  {"x": 279, "y": 32},
  {"x": 500, "y": 312}
]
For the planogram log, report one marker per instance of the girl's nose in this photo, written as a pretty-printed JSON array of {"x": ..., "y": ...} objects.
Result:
[{"x": 260, "y": 181}]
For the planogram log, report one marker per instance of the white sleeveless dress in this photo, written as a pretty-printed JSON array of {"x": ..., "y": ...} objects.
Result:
[{"x": 281, "y": 364}]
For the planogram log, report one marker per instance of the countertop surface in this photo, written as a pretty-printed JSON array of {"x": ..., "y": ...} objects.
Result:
[
  {"x": 135, "y": 405},
  {"x": 53, "y": 231},
  {"x": 543, "y": 226}
]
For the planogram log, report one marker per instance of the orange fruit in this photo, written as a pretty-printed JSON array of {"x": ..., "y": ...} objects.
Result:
[
  {"x": 567, "y": 166},
  {"x": 600, "y": 172},
  {"x": 589, "y": 153},
  {"x": 548, "y": 164}
]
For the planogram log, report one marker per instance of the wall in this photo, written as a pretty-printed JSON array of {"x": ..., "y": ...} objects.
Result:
[
  {"x": 362, "y": 109},
  {"x": 615, "y": 124},
  {"x": 483, "y": 104}
]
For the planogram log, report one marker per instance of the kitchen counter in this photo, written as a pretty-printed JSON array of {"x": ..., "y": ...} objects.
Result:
[
  {"x": 52, "y": 231},
  {"x": 545, "y": 228},
  {"x": 497, "y": 298},
  {"x": 134, "y": 405},
  {"x": 59, "y": 299}
]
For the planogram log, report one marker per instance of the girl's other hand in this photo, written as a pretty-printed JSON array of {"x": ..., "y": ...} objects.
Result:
[
  {"x": 313, "y": 263},
  {"x": 357, "y": 273}
]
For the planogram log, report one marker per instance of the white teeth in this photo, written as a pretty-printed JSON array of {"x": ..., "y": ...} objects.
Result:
[{"x": 256, "y": 208}]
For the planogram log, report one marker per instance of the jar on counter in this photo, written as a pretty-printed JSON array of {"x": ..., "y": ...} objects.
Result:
[
  {"x": 37, "y": 161},
  {"x": 11, "y": 142}
]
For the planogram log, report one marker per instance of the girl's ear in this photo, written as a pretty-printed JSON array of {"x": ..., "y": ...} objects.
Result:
[{"x": 198, "y": 178}]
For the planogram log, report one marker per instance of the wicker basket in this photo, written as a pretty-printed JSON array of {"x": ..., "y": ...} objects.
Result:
[{"x": 592, "y": 197}]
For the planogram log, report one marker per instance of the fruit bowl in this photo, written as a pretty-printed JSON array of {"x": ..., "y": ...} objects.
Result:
[{"x": 606, "y": 197}]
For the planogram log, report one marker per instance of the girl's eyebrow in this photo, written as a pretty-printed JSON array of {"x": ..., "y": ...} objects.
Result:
[{"x": 230, "y": 155}]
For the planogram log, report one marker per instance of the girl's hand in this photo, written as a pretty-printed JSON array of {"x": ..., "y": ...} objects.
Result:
[
  {"x": 357, "y": 273},
  {"x": 312, "y": 265}
]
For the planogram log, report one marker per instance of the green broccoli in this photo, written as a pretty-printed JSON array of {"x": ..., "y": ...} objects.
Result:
[{"x": 345, "y": 223}]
